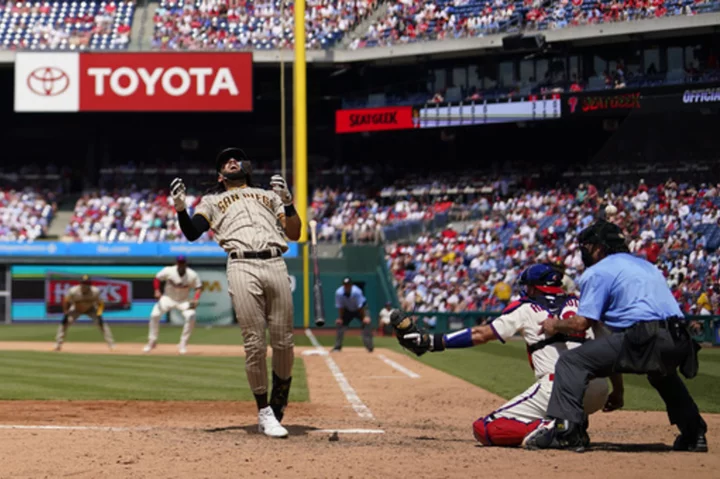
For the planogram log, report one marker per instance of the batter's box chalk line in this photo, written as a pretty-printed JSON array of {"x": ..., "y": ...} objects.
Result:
[
  {"x": 73, "y": 428},
  {"x": 314, "y": 352},
  {"x": 398, "y": 367},
  {"x": 352, "y": 397}
]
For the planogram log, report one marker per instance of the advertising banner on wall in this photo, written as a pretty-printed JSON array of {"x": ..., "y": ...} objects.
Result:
[
  {"x": 215, "y": 307},
  {"x": 374, "y": 119},
  {"x": 73, "y": 82},
  {"x": 128, "y": 292},
  {"x": 169, "y": 250},
  {"x": 601, "y": 103},
  {"x": 437, "y": 115},
  {"x": 532, "y": 108}
]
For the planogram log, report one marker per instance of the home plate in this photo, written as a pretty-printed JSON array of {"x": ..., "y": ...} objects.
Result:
[{"x": 314, "y": 352}]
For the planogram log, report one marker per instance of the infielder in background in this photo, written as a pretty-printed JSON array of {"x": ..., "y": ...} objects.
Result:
[
  {"x": 251, "y": 224},
  {"x": 82, "y": 299},
  {"x": 178, "y": 279},
  {"x": 351, "y": 304},
  {"x": 542, "y": 298}
]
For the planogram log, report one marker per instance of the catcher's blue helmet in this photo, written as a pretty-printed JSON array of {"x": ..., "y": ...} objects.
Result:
[{"x": 543, "y": 277}]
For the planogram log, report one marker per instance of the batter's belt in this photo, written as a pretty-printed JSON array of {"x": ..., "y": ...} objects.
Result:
[{"x": 263, "y": 254}]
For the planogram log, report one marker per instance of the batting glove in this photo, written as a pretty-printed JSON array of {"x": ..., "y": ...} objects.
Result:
[
  {"x": 279, "y": 186},
  {"x": 177, "y": 192}
]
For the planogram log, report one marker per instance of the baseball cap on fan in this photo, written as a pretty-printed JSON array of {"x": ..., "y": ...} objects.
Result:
[
  {"x": 347, "y": 280},
  {"x": 181, "y": 259}
]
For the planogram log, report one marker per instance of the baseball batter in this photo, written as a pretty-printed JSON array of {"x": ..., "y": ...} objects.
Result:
[
  {"x": 83, "y": 299},
  {"x": 178, "y": 279},
  {"x": 251, "y": 224},
  {"x": 543, "y": 298}
]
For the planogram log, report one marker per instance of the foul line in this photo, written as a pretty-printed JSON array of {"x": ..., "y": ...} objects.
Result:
[
  {"x": 398, "y": 366},
  {"x": 360, "y": 408},
  {"x": 76, "y": 428}
]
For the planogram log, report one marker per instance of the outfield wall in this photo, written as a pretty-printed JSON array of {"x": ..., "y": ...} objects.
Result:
[{"x": 32, "y": 287}]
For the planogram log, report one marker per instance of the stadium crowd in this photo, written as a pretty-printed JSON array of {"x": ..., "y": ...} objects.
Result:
[
  {"x": 136, "y": 216},
  {"x": 245, "y": 24},
  {"x": 507, "y": 225},
  {"x": 268, "y": 24},
  {"x": 408, "y": 21},
  {"x": 66, "y": 25},
  {"x": 675, "y": 226},
  {"x": 25, "y": 214}
]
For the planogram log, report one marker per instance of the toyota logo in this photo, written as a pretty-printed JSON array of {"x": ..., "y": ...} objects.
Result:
[{"x": 48, "y": 81}]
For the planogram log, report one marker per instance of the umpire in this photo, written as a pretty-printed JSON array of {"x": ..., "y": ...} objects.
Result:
[
  {"x": 351, "y": 304},
  {"x": 648, "y": 335}
]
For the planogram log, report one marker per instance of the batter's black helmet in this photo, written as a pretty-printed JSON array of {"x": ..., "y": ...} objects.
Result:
[
  {"x": 245, "y": 166},
  {"x": 229, "y": 153},
  {"x": 606, "y": 234}
]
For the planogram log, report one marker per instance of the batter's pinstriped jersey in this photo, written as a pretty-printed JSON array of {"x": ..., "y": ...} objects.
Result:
[
  {"x": 178, "y": 287},
  {"x": 245, "y": 219},
  {"x": 81, "y": 302}
]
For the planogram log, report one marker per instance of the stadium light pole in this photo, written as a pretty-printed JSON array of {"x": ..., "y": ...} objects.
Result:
[{"x": 300, "y": 148}]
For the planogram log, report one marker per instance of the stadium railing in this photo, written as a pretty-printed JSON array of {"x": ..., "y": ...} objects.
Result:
[{"x": 446, "y": 322}]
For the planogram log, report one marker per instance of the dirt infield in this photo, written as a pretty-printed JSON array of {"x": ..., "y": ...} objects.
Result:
[{"x": 396, "y": 418}]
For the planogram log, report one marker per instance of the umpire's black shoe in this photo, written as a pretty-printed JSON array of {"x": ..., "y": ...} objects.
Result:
[
  {"x": 698, "y": 445},
  {"x": 557, "y": 434}
]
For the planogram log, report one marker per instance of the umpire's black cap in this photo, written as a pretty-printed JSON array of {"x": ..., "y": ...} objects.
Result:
[
  {"x": 603, "y": 233},
  {"x": 228, "y": 153}
]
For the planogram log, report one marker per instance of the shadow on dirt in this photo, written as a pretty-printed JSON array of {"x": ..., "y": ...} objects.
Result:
[
  {"x": 293, "y": 429},
  {"x": 429, "y": 438},
  {"x": 612, "y": 447}
]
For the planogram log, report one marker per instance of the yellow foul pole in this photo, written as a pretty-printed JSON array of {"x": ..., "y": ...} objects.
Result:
[{"x": 300, "y": 145}]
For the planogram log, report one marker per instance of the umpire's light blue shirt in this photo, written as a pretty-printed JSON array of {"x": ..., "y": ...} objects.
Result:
[
  {"x": 622, "y": 289},
  {"x": 354, "y": 302}
]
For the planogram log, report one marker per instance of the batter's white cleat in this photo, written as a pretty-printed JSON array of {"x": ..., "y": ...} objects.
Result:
[
  {"x": 149, "y": 347},
  {"x": 111, "y": 346},
  {"x": 182, "y": 349},
  {"x": 58, "y": 347},
  {"x": 269, "y": 425}
]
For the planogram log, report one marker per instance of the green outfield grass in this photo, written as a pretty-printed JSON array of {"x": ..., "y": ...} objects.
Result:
[
  {"x": 499, "y": 368},
  {"x": 44, "y": 376}
]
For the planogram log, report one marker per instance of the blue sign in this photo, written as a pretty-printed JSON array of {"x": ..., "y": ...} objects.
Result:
[{"x": 57, "y": 248}]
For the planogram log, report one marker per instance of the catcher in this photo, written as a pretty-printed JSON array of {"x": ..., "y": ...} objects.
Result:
[
  {"x": 542, "y": 298},
  {"x": 82, "y": 299}
]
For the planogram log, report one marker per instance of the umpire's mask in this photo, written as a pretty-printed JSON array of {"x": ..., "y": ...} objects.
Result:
[{"x": 602, "y": 233}]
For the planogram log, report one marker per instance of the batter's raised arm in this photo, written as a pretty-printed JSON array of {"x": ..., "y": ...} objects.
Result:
[
  {"x": 288, "y": 216},
  {"x": 193, "y": 227}
]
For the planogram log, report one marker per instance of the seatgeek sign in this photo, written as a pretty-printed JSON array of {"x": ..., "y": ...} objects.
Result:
[{"x": 76, "y": 82}]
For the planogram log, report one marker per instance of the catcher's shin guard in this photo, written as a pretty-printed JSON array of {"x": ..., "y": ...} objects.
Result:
[
  {"x": 279, "y": 395},
  {"x": 502, "y": 431}
]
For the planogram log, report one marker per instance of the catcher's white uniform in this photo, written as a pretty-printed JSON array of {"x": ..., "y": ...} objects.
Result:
[
  {"x": 175, "y": 296},
  {"x": 510, "y": 423}
]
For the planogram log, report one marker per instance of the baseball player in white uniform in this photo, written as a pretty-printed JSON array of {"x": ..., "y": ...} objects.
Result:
[
  {"x": 82, "y": 299},
  {"x": 178, "y": 279},
  {"x": 253, "y": 225},
  {"x": 544, "y": 298}
]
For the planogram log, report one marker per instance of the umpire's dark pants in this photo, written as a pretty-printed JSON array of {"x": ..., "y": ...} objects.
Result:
[
  {"x": 599, "y": 358},
  {"x": 367, "y": 336}
]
